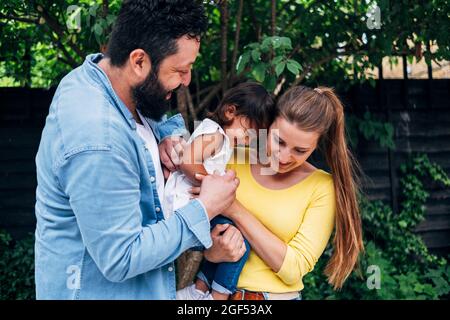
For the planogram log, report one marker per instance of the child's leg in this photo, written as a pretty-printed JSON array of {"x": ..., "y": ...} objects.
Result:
[
  {"x": 207, "y": 269},
  {"x": 227, "y": 276},
  {"x": 205, "y": 275},
  {"x": 222, "y": 278}
]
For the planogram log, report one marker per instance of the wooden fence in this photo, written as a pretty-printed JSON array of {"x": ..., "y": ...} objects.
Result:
[{"x": 418, "y": 109}]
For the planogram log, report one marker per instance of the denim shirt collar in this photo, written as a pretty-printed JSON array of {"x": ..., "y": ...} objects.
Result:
[{"x": 99, "y": 76}]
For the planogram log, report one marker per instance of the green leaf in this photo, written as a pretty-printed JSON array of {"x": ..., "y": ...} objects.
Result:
[
  {"x": 242, "y": 62},
  {"x": 292, "y": 67},
  {"x": 279, "y": 68},
  {"x": 277, "y": 60},
  {"x": 402, "y": 223},
  {"x": 266, "y": 43},
  {"x": 276, "y": 42},
  {"x": 256, "y": 55},
  {"x": 296, "y": 64},
  {"x": 259, "y": 72},
  {"x": 286, "y": 42},
  {"x": 270, "y": 83},
  {"x": 98, "y": 29}
]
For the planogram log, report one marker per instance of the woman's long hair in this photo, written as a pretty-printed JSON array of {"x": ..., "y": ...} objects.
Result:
[{"x": 320, "y": 110}]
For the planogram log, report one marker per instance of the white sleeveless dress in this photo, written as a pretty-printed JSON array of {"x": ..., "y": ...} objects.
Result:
[{"x": 176, "y": 190}]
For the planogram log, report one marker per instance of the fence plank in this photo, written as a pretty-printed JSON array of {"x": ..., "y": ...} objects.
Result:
[{"x": 417, "y": 129}]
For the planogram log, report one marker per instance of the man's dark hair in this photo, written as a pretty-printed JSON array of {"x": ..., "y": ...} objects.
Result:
[
  {"x": 251, "y": 100},
  {"x": 154, "y": 26}
]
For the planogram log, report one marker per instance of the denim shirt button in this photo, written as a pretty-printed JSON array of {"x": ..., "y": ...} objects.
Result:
[
  {"x": 158, "y": 209},
  {"x": 152, "y": 179},
  {"x": 170, "y": 269}
]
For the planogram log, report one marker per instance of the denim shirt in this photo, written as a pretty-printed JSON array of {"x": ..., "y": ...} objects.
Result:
[{"x": 101, "y": 233}]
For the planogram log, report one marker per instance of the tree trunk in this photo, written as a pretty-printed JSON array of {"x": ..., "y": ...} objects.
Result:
[
  {"x": 274, "y": 17},
  {"x": 105, "y": 11},
  {"x": 224, "y": 39},
  {"x": 190, "y": 104},
  {"x": 236, "y": 37},
  {"x": 182, "y": 104}
]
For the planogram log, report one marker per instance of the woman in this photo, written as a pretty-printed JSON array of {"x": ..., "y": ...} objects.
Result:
[{"x": 287, "y": 209}]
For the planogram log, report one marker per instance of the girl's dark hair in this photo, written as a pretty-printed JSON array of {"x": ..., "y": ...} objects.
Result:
[
  {"x": 251, "y": 100},
  {"x": 154, "y": 26}
]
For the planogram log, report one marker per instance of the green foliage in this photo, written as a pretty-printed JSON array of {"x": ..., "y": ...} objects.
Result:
[
  {"x": 268, "y": 60},
  {"x": 408, "y": 270},
  {"x": 16, "y": 268},
  {"x": 371, "y": 129},
  {"x": 332, "y": 40},
  {"x": 414, "y": 193},
  {"x": 323, "y": 42},
  {"x": 41, "y": 41}
]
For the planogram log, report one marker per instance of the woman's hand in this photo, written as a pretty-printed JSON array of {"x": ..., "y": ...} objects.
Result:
[{"x": 232, "y": 210}]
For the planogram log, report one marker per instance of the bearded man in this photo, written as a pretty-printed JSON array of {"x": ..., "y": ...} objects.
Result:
[{"x": 101, "y": 230}]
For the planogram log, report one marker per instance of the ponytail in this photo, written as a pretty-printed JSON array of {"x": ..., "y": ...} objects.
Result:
[
  {"x": 347, "y": 240},
  {"x": 321, "y": 110}
]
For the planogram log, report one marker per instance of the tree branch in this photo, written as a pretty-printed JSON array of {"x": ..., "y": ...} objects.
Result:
[
  {"x": 214, "y": 91},
  {"x": 224, "y": 41},
  {"x": 105, "y": 8},
  {"x": 190, "y": 104},
  {"x": 207, "y": 99},
  {"x": 54, "y": 25},
  {"x": 282, "y": 81},
  {"x": 197, "y": 87},
  {"x": 20, "y": 19},
  {"x": 237, "y": 36},
  {"x": 182, "y": 103},
  {"x": 71, "y": 61},
  {"x": 255, "y": 23},
  {"x": 273, "y": 17}
]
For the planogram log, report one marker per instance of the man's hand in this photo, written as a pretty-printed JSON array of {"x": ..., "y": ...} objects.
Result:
[
  {"x": 228, "y": 244},
  {"x": 171, "y": 153},
  {"x": 217, "y": 192}
]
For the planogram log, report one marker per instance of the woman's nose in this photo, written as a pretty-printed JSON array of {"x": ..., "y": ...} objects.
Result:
[{"x": 285, "y": 155}]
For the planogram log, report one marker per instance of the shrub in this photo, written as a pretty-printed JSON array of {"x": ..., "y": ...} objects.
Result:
[
  {"x": 16, "y": 268},
  {"x": 407, "y": 269}
]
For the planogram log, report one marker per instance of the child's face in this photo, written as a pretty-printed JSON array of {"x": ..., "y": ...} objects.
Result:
[{"x": 241, "y": 131}]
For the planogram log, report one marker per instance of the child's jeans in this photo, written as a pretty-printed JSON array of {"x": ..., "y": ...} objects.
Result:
[{"x": 223, "y": 277}]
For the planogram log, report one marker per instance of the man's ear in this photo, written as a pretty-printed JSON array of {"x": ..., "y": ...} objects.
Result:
[
  {"x": 140, "y": 64},
  {"x": 230, "y": 111}
]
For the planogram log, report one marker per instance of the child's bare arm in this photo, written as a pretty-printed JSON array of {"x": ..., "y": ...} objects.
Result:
[{"x": 195, "y": 153}]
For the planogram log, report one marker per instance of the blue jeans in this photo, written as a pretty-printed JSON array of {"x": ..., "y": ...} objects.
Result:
[{"x": 223, "y": 277}]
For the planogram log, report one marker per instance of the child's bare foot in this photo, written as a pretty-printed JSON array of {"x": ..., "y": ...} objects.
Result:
[
  {"x": 201, "y": 285},
  {"x": 219, "y": 296}
]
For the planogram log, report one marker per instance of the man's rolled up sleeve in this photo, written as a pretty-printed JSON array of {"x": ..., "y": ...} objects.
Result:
[
  {"x": 197, "y": 222},
  {"x": 173, "y": 126},
  {"x": 103, "y": 188}
]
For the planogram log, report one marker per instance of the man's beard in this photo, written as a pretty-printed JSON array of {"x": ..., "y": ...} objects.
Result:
[{"x": 150, "y": 97}]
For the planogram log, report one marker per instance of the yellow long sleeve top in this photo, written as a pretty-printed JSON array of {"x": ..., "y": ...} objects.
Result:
[{"x": 302, "y": 216}]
